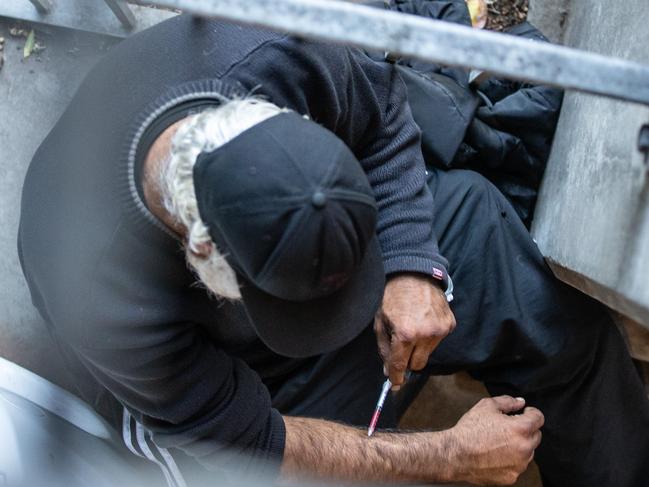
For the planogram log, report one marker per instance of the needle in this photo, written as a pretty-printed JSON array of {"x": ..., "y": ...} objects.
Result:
[{"x": 387, "y": 385}]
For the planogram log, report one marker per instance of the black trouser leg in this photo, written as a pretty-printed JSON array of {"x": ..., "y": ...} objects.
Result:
[
  {"x": 521, "y": 332},
  {"x": 597, "y": 421},
  {"x": 524, "y": 333},
  {"x": 342, "y": 385}
]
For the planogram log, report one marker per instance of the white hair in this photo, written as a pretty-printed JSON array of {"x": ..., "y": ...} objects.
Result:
[{"x": 206, "y": 132}]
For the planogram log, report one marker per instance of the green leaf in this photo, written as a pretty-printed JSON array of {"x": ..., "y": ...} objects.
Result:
[{"x": 29, "y": 45}]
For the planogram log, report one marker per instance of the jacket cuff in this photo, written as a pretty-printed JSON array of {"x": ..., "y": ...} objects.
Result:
[
  {"x": 277, "y": 438},
  {"x": 435, "y": 268},
  {"x": 252, "y": 465},
  {"x": 275, "y": 447}
]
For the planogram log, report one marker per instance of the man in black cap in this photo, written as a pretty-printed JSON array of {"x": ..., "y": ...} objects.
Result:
[{"x": 298, "y": 222}]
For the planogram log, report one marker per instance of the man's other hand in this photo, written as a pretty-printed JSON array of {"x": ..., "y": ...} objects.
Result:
[
  {"x": 486, "y": 447},
  {"x": 491, "y": 447},
  {"x": 413, "y": 319}
]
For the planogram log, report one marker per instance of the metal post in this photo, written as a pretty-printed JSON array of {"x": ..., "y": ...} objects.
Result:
[
  {"x": 123, "y": 12},
  {"x": 43, "y": 6},
  {"x": 435, "y": 41}
]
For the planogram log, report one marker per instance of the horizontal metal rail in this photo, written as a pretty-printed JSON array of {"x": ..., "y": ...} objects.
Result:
[{"x": 436, "y": 41}]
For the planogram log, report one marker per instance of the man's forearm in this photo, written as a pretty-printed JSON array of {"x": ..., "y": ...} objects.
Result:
[{"x": 319, "y": 449}]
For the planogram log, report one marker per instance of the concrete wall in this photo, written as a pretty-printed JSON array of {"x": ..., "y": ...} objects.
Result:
[
  {"x": 550, "y": 17},
  {"x": 592, "y": 220}
]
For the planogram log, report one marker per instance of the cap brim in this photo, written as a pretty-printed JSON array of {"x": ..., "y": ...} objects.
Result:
[{"x": 303, "y": 329}]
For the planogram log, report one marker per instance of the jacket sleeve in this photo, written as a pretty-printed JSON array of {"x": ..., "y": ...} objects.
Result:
[
  {"x": 188, "y": 394},
  {"x": 392, "y": 159},
  {"x": 134, "y": 331},
  {"x": 365, "y": 103}
]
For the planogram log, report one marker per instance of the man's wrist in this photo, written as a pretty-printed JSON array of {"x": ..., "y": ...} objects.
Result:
[
  {"x": 446, "y": 286},
  {"x": 429, "y": 266},
  {"x": 447, "y": 470}
]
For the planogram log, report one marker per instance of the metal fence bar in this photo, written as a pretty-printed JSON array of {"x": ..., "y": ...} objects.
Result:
[
  {"x": 430, "y": 40},
  {"x": 123, "y": 12},
  {"x": 43, "y": 6}
]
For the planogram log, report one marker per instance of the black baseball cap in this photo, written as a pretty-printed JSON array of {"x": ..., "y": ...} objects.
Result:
[{"x": 289, "y": 205}]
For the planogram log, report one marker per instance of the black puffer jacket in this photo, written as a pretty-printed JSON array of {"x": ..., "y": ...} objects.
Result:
[{"x": 502, "y": 129}]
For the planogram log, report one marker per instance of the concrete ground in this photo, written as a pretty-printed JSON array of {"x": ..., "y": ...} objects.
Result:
[{"x": 33, "y": 94}]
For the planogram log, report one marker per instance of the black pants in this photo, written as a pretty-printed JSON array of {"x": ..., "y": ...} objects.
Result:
[{"x": 522, "y": 333}]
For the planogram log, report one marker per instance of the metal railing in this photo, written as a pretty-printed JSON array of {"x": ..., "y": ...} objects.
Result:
[
  {"x": 436, "y": 41},
  {"x": 43, "y": 6},
  {"x": 123, "y": 12},
  {"x": 350, "y": 23}
]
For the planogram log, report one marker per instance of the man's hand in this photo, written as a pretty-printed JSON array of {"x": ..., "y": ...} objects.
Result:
[
  {"x": 413, "y": 319},
  {"x": 492, "y": 447}
]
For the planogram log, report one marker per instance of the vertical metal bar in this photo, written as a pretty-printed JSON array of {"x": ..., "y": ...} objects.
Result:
[
  {"x": 43, "y": 6},
  {"x": 84, "y": 15},
  {"x": 123, "y": 12}
]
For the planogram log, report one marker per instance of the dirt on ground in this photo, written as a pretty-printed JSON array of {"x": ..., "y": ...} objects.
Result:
[{"x": 505, "y": 13}]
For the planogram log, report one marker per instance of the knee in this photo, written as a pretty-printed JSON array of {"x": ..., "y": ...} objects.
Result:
[
  {"x": 471, "y": 210},
  {"x": 474, "y": 187},
  {"x": 480, "y": 197}
]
